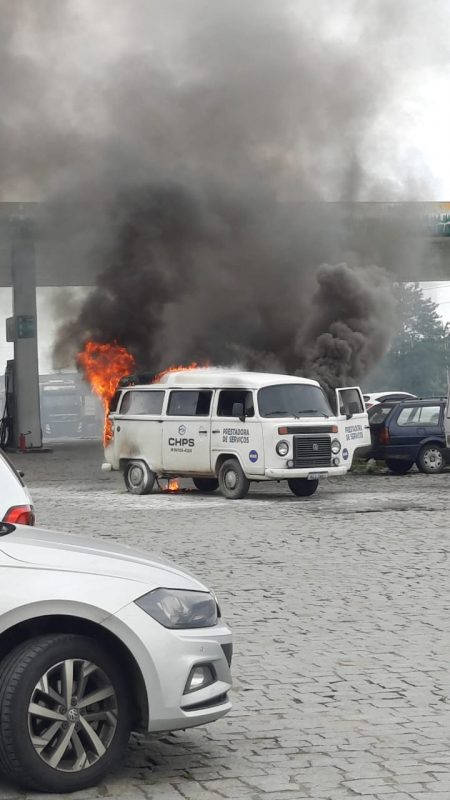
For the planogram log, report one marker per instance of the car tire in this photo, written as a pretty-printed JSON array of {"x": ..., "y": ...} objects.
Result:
[
  {"x": 398, "y": 467},
  {"x": 138, "y": 477},
  {"x": 91, "y": 738},
  {"x": 302, "y": 487},
  {"x": 232, "y": 481},
  {"x": 205, "y": 484},
  {"x": 431, "y": 459}
]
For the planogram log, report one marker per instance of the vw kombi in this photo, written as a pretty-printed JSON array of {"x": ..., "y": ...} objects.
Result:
[{"x": 225, "y": 428}]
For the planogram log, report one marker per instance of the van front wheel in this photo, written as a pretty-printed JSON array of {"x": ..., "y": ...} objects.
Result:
[
  {"x": 232, "y": 481},
  {"x": 139, "y": 479},
  {"x": 302, "y": 487}
]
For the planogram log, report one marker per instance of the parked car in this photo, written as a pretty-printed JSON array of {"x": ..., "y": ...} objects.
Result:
[
  {"x": 386, "y": 397},
  {"x": 96, "y": 640},
  {"x": 15, "y": 502},
  {"x": 409, "y": 432}
]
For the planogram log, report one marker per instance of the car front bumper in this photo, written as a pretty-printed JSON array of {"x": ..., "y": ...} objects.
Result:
[{"x": 166, "y": 658}]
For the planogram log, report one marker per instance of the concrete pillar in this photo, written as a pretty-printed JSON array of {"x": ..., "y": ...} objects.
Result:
[{"x": 27, "y": 418}]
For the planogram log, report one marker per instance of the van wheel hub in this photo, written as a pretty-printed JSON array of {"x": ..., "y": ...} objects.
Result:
[
  {"x": 231, "y": 479},
  {"x": 135, "y": 475}
]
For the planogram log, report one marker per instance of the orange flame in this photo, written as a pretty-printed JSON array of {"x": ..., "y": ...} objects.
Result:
[
  {"x": 173, "y": 485},
  {"x": 104, "y": 365},
  {"x": 179, "y": 368}
]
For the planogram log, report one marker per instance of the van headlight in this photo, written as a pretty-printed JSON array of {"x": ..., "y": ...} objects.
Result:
[
  {"x": 180, "y": 608},
  {"x": 335, "y": 446},
  {"x": 282, "y": 448}
]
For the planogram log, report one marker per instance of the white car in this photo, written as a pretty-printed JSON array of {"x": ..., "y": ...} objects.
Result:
[
  {"x": 386, "y": 397},
  {"x": 96, "y": 640},
  {"x": 15, "y": 502}
]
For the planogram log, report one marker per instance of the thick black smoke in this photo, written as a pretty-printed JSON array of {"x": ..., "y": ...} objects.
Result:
[{"x": 184, "y": 151}]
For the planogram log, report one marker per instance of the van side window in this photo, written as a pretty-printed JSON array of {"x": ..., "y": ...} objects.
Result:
[
  {"x": 229, "y": 396},
  {"x": 142, "y": 403},
  {"x": 189, "y": 404}
]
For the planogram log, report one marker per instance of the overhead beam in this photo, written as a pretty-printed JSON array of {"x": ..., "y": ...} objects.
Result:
[{"x": 55, "y": 263}]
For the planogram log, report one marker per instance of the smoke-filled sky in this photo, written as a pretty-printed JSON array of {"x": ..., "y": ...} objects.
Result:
[{"x": 184, "y": 149}]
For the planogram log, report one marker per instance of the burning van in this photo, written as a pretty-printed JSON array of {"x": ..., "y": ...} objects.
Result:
[{"x": 225, "y": 429}]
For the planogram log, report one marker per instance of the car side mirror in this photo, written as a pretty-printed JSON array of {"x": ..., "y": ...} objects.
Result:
[{"x": 238, "y": 411}]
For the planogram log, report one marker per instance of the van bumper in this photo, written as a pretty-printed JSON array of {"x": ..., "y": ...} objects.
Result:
[{"x": 320, "y": 472}]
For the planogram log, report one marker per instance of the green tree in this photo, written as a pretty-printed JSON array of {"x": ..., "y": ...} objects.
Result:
[{"x": 419, "y": 355}]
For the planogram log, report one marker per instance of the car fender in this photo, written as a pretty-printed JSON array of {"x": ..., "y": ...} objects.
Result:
[
  {"x": 58, "y": 592},
  {"x": 31, "y": 611},
  {"x": 439, "y": 440}
]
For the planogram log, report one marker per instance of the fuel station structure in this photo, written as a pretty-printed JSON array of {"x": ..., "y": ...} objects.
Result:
[{"x": 27, "y": 261}]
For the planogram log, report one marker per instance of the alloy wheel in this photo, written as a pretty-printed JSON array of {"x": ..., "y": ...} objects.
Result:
[{"x": 72, "y": 715}]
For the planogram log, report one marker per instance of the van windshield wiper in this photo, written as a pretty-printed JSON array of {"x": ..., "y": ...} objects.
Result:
[
  {"x": 281, "y": 414},
  {"x": 312, "y": 411}
]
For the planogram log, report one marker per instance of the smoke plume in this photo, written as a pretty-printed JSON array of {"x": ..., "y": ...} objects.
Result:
[{"x": 184, "y": 152}]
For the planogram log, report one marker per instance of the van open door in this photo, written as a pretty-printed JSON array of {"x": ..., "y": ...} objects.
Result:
[{"x": 354, "y": 422}]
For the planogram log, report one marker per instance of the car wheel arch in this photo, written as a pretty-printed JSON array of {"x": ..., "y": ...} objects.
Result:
[{"x": 33, "y": 626}]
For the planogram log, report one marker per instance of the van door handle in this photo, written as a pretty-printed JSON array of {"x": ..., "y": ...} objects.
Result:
[
  {"x": 218, "y": 431},
  {"x": 202, "y": 430},
  {"x": 118, "y": 428}
]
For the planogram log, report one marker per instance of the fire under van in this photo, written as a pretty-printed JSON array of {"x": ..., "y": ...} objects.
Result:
[{"x": 224, "y": 428}]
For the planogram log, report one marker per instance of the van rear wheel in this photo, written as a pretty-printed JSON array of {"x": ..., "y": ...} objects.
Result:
[
  {"x": 302, "y": 487},
  {"x": 205, "y": 484},
  {"x": 232, "y": 481},
  {"x": 138, "y": 477}
]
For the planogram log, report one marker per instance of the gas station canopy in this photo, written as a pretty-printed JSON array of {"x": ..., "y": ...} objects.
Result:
[{"x": 58, "y": 265}]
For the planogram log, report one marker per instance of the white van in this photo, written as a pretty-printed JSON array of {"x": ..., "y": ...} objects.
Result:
[{"x": 224, "y": 428}]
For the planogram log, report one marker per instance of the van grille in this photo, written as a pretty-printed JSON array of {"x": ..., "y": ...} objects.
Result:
[{"x": 312, "y": 451}]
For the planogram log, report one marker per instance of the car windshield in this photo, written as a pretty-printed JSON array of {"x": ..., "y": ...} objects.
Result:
[{"x": 293, "y": 400}]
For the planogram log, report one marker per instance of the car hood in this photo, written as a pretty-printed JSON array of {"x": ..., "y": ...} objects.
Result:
[{"x": 65, "y": 552}]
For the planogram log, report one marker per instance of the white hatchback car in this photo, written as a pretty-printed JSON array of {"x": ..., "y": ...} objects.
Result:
[
  {"x": 15, "y": 502},
  {"x": 386, "y": 397},
  {"x": 96, "y": 640}
]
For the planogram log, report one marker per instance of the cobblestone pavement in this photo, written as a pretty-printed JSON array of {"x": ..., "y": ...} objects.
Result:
[{"x": 340, "y": 607}]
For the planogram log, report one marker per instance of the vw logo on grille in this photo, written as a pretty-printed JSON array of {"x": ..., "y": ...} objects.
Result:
[
  {"x": 73, "y": 715},
  {"x": 315, "y": 447}
]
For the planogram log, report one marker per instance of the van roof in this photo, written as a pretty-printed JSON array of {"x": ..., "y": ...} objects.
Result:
[{"x": 224, "y": 378}]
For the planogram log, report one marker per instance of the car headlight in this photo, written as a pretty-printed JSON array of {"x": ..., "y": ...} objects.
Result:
[
  {"x": 180, "y": 608},
  {"x": 335, "y": 446},
  {"x": 282, "y": 448}
]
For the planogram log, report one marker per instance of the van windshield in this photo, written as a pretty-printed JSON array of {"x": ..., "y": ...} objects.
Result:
[{"x": 293, "y": 400}]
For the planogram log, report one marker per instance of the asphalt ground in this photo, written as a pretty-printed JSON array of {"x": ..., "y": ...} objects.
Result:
[{"x": 339, "y": 605}]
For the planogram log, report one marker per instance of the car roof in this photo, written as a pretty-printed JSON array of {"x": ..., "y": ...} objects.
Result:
[
  {"x": 374, "y": 395},
  {"x": 220, "y": 378}
]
